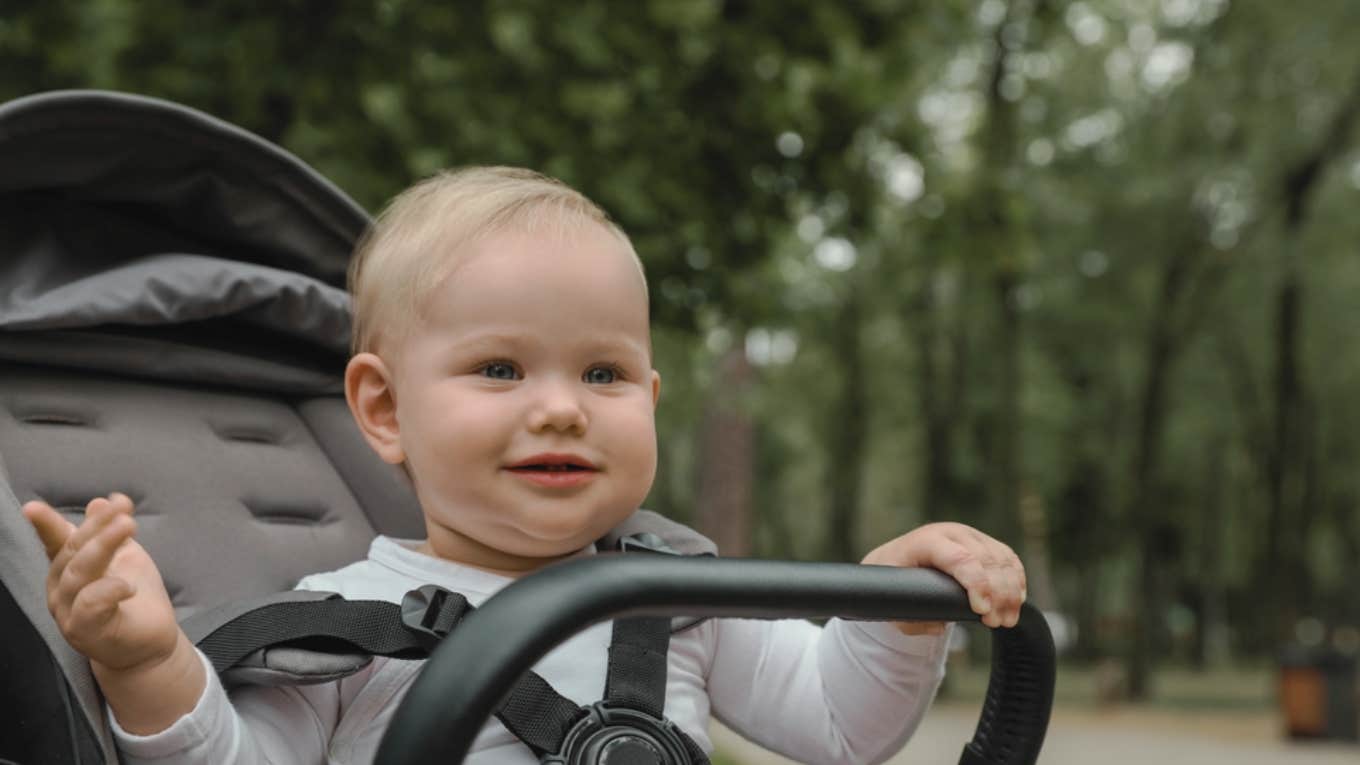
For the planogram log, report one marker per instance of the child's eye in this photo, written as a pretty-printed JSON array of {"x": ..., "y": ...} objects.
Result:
[
  {"x": 499, "y": 370},
  {"x": 602, "y": 375}
]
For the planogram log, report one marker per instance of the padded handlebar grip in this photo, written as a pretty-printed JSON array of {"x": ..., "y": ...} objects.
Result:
[{"x": 469, "y": 674}]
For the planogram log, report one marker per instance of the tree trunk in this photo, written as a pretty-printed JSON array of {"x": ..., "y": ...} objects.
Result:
[
  {"x": 848, "y": 429},
  {"x": 726, "y": 458},
  {"x": 938, "y": 391},
  {"x": 1287, "y": 475},
  {"x": 1144, "y": 515},
  {"x": 1005, "y": 523},
  {"x": 997, "y": 234},
  {"x": 1210, "y": 627},
  {"x": 1284, "y": 480}
]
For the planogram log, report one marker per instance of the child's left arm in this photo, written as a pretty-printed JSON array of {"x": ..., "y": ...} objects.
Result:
[
  {"x": 854, "y": 691},
  {"x": 988, "y": 569}
]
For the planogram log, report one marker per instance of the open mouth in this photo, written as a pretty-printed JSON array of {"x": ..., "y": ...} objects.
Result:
[
  {"x": 549, "y": 462},
  {"x": 555, "y": 473}
]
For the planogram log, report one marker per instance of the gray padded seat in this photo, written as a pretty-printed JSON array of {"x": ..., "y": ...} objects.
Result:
[
  {"x": 252, "y": 476},
  {"x": 173, "y": 325}
]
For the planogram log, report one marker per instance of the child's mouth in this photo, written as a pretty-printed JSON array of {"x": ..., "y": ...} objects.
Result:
[
  {"x": 554, "y": 470},
  {"x": 555, "y": 476}
]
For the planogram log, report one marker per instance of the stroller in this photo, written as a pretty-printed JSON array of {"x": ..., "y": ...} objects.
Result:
[{"x": 173, "y": 324}]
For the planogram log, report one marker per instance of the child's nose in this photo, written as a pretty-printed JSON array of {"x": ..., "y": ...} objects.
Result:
[{"x": 558, "y": 407}]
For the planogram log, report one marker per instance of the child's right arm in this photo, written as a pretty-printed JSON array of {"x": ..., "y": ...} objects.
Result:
[{"x": 109, "y": 602}]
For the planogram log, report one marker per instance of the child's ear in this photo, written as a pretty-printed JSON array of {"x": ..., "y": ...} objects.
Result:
[
  {"x": 373, "y": 402},
  {"x": 656, "y": 387}
]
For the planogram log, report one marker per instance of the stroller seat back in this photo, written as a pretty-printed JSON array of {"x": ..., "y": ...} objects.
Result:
[{"x": 173, "y": 325}]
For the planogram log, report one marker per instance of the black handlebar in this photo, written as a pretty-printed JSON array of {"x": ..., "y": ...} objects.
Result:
[{"x": 469, "y": 674}]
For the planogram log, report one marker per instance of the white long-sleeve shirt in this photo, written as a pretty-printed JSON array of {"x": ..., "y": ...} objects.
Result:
[{"x": 849, "y": 693}]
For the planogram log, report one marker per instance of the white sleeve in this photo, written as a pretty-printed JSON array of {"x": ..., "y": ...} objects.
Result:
[
  {"x": 257, "y": 725},
  {"x": 853, "y": 692}
]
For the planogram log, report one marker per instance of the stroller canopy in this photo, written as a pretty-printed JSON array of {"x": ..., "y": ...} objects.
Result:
[{"x": 161, "y": 241}]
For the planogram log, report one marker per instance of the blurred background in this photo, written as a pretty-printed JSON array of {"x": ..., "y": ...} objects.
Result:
[{"x": 1082, "y": 274}]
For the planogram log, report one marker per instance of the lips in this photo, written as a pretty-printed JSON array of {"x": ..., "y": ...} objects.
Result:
[
  {"x": 553, "y": 463},
  {"x": 554, "y": 471}
]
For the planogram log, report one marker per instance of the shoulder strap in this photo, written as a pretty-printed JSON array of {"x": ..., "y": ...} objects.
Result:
[{"x": 305, "y": 637}]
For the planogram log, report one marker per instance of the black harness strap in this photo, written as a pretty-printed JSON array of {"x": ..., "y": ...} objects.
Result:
[
  {"x": 544, "y": 719},
  {"x": 637, "y": 664},
  {"x": 369, "y": 626},
  {"x": 538, "y": 715},
  {"x": 541, "y": 717}
]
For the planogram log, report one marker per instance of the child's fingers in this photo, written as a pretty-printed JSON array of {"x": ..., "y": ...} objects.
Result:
[
  {"x": 98, "y": 512},
  {"x": 961, "y": 561},
  {"x": 52, "y": 529},
  {"x": 96, "y": 604},
  {"x": 983, "y": 572},
  {"x": 993, "y": 587},
  {"x": 1020, "y": 586},
  {"x": 1016, "y": 585},
  {"x": 91, "y": 560},
  {"x": 97, "y": 516},
  {"x": 994, "y": 595},
  {"x": 987, "y": 569},
  {"x": 121, "y": 503},
  {"x": 1003, "y": 593},
  {"x": 1007, "y": 583}
]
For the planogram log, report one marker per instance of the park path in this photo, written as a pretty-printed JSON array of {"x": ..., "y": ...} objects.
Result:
[{"x": 1122, "y": 736}]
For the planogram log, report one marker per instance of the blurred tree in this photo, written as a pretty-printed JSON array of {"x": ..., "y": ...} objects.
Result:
[{"x": 908, "y": 261}]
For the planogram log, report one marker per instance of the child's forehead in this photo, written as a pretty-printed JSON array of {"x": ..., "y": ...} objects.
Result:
[
  {"x": 532, "y": 271},
  {"x": 566, "y": 262}
]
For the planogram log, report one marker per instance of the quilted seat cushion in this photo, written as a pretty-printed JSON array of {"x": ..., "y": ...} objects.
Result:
[{"x": 237, "y": 494}]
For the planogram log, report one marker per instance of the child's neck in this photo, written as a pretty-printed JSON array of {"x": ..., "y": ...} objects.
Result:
[{"x": 468, "y": 552}]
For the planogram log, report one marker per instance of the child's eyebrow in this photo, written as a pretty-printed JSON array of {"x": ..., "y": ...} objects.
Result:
[{"x": 598, "y": 345}]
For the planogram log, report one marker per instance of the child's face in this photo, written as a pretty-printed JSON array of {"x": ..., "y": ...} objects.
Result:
[{"x": 534, "y": 351}]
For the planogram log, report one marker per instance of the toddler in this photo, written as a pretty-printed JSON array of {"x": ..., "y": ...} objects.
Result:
[{"x": 502, "y": 357}]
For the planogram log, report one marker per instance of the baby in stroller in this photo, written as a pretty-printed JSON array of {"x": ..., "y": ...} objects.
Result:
[{"x": 502, "y": 356}]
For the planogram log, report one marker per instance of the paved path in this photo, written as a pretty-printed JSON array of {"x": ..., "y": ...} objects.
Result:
[{"x": 1128, "y": 736}]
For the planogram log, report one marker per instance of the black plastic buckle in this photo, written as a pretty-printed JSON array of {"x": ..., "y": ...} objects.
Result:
[
  {"x": 431, "y": 611},
  {"x": 608, "y": 735}
]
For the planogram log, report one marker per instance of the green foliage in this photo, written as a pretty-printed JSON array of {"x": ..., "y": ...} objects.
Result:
[{"x": 777, "y": 162}]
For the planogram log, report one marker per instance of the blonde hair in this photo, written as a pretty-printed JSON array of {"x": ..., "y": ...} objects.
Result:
[{"x": 412, "y": 246}]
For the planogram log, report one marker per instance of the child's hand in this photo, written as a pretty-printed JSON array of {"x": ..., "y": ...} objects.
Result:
[
  {"x": 987, "y": 569},
  {"x": 103, "y": 589}
]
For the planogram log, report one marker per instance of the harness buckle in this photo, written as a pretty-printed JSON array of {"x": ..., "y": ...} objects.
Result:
[
  {"x": 430, "y": 611},
  {"x": 611, "y": 735}
]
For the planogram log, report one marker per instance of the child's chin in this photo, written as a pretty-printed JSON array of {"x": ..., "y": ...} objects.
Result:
[{"x": 554, "y": 540}]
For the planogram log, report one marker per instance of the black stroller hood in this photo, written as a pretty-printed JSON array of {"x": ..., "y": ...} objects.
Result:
[{"x": 160, "y": 241}]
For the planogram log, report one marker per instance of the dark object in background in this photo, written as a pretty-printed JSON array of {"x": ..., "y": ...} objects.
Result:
[{"x": 1318, "y": 694}]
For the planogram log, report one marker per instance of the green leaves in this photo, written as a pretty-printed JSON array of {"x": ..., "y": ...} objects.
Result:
[{"x": 977, "y": 178}]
